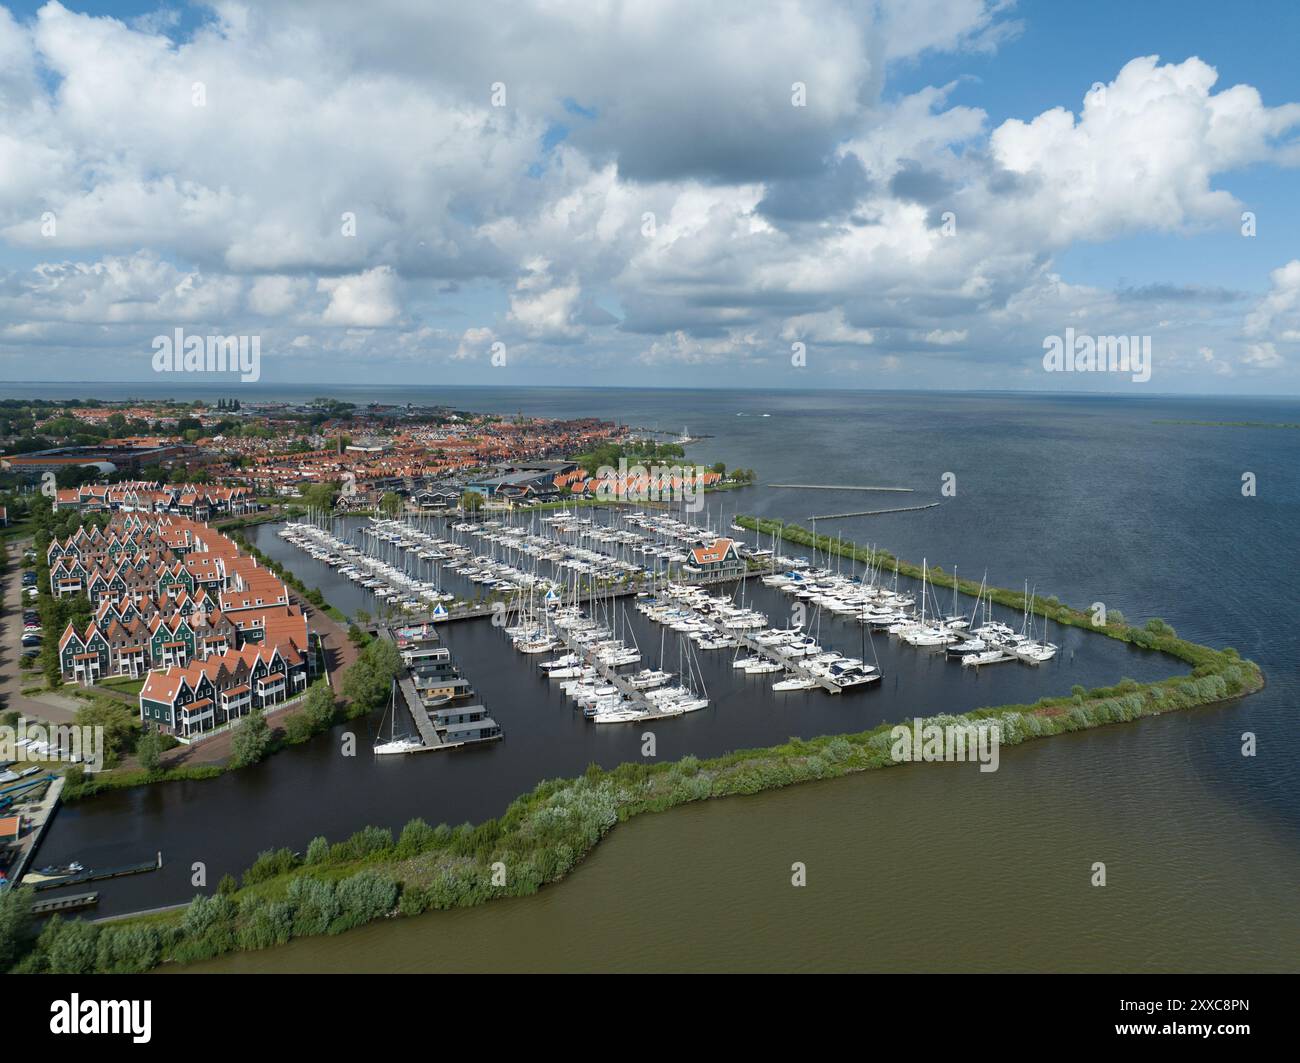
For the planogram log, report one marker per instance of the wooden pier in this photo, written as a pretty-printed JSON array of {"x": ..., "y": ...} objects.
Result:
[
  {"x": 40, "y": 823},
  {"x": 71, "y": 903},
  {"x": 419, "y": 714},
  {"x": 430, "y": 738},
  {"x": 789, "y": 663},
  {"x": 648, "y": 709},
  {"x": 51, "y": 882}
]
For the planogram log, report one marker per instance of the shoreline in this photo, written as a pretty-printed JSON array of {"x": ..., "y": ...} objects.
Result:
[{"x": 548, "y": 831}]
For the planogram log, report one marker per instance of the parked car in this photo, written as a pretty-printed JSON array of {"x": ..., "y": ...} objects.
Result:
[
  {"x": 31, "y": 640},
  {"x": 29, "y": 579},
  {"x": 31, "y": 651}
]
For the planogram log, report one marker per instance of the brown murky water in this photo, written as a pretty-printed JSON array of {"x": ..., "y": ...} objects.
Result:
[{"x": 924, "y": 868}]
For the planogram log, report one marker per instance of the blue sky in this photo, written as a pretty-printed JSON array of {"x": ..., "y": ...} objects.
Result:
[{"x": 646, "y": 203}]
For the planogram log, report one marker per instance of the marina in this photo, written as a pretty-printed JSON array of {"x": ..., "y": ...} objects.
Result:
[
  {"x": 549, "y": 735},
  {"x": 309, "y": 789}
]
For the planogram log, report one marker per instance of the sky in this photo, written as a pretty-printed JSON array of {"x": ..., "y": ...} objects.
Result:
[{"x": 886, "y": 194}]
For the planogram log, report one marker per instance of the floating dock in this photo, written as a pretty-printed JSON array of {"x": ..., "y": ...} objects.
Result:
[
  {"x": 431, "y": 738},
  {"x": 785, "y": 660},
  {"x": 647, "y": 708},
  {"x": 52, "y": 882},
  {"x": 71, "y": 903}
]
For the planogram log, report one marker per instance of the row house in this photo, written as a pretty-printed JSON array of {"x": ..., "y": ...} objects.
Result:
[
  {"x": 119, "y": 641},
  {"x": 199, "y": 502},
  {"x": 201, "y": 696},
  {"x": 84, "y": 659},
  {"x": 181, "y": 594}
]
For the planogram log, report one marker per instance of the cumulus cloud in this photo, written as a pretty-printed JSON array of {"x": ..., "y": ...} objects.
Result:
[
  {"x": 364, "y": 300},
  {"x": 649, "y": 193}
]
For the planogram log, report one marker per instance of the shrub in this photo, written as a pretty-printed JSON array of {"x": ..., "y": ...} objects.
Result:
[
  {"x": 416, "y": 837},
  {"x": 364, "y": 896},
  {"x": 128, "y": 949},
  {"x": 269, "y": 864},
  {"x": 69, "y": 947},
  {"x": 315, "y": 906},
  {"x": 264, "y": 924},
  {"x": 365, "y": 842}
]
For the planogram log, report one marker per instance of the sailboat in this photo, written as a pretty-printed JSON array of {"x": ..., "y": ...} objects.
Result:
[
  {"x": 404, "y": 744},
  {"x": 1028, "y": 650},
  {"x": 794, "y": 681}
]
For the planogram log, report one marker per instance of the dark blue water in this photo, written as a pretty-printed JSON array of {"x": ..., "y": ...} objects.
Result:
[{"x": 1087, "y": 498}]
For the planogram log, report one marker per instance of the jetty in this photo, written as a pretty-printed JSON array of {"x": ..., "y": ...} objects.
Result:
[
  {"x": 444, "y": 727},
  {"x": 71, "y": 903},
  {"x": 787, "y": 661},
  {"x": 874, "y": 512},
  {"x": 40, "y": 822},
  {"x": 40, "y": 881},
  {"x": 647, "y": 709}
]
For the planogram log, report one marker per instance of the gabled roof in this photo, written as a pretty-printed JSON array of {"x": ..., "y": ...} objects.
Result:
[{"x": 718, "y": 551}]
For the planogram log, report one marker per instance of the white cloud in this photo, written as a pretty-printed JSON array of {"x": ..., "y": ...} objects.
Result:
[
  {"x": 365, "y": 300},
  {"x": 829, "y": 327},
  {"x": 716, "y": 221},
  {"x": 1261, "y": 356}
]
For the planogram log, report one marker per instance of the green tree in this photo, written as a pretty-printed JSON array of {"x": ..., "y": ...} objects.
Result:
[
  {"x": 121, "y": 725},
  {"x": 252, "y": 740},
  {"x": 319, "y": 707},
  {"x": 391, "y": 504},
  {"x": 366, "y": 684},
  {"x": 148, "y": 751},
  {"x": 320, "y": 496},
  {"x": 471, "y": 501},
  {"x": 15, "y": 924}
]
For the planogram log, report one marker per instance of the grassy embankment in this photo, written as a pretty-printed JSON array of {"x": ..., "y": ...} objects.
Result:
[{"x": 545, "y": 833}]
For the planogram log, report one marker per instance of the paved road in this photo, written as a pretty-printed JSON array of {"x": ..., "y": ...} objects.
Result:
[{"x": 13, "y": 678}]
